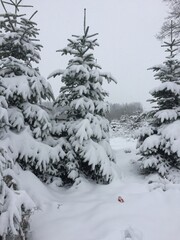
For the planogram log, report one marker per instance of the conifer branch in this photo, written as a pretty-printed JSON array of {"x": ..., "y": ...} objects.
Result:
[
  {"x": 33, "y": 15},
  {"x": 19, "y": 2},
  {"x": 25, "y": 6},
  {"x": 9, "y": 3},
  {"x": 13, "y": 3},
  {"x": 75, "y": 36},
  {"x": 16, "y": 11},
  {"x": 95, "y": 34},
  {"x": 172, "y": 31},
  {"x": 11, "y": 15},
  {"x": 86, "y": 31},
  {"x": 26, "y": 30},
  {"x": 10, "y": 22},
  {"x": 70, "y": 41},
  {"x": 84, "y": 20}
]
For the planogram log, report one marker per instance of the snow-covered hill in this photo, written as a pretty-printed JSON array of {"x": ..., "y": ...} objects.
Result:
[{"x": 93, "y": 212}]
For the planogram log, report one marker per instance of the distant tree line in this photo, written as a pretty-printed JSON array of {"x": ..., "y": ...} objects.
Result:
[{"x": 117, "y": 110}]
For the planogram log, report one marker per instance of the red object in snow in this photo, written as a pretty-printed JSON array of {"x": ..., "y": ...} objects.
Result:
[{"x": 120, "y": 199}]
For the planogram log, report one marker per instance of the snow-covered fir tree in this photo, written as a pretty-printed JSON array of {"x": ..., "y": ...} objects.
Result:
[
  {"x": 82, "y": 102},
  {"x": 159, "y": 143},
  {"x": 24, "y": 89}
]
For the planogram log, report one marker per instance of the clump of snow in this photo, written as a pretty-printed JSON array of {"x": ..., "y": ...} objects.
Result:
[
  {"x": 169, "y": 86},
  {"x": 151, "y": 142},
  {"x": 166, "y": 115}
]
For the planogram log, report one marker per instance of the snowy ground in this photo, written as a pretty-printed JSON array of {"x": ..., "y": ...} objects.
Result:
[{"x": 93, "y": 212}]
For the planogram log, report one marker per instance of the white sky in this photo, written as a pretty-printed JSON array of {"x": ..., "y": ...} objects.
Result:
[{"x": 128, "y": 46}]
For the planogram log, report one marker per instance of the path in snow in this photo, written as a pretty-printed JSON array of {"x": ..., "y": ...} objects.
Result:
[
  {"x": 125, "y": 151},
  {"x": 92, "y": 212}
]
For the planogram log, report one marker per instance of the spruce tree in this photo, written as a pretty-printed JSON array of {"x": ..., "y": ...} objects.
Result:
[
  {"x": 82, "y": 101},
  {"x": 159, "y": 142},
  {"x": 24, "y": 90}
]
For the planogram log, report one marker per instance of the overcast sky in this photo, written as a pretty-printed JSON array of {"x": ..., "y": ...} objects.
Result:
[{"x": 128, "y": 46}]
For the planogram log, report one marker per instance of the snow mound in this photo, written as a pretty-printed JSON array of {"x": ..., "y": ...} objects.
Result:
[{"x": 37, "y": 190}]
